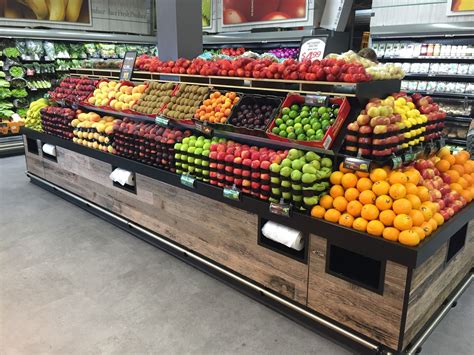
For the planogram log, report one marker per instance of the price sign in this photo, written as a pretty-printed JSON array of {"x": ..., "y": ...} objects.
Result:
[
  {"x": 318, "y": 100},
  {"x": 231, "y": 193},
  {"x": 161, "y": 121},
  {"x": 396, "y": 162},
  {"x": 281, "y": 209},
  {"x": 358, "y": 164},
  {"x": 187, "y": 180},
  {"x": 203, "y": 128},
  {"x": 127, "y": 65},
  {"x": 312, "y": 48},
  {"x": 410, "y": 156}
]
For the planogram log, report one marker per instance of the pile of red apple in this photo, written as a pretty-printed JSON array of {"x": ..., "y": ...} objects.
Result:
[
  {"x": 147, "y": 143},
  {"x": 448, "y": 200},
  {"x": 74, "y": 89},
  {"x": 436, "y": 117},
  {"x": 330, "y": 69},
  {"x": 243, "y": 166},
  {"x": 57, "y": 121},
  {"x": 233, "y": 52}
]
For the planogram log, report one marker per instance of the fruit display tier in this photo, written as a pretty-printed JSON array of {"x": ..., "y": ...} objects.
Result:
[{"x": 382, "y": 293}]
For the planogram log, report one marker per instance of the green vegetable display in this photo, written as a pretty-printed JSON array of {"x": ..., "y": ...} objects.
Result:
[
  {"x": 11, "y": 52},
  {"x": 16, "y": 72},
  {"x": 19, "y": 93},
  {"x": 4, "y": 84},
  {"x": 5, "y": 93}
]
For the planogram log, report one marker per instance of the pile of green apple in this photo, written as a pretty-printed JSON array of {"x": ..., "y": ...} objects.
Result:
[
  {"x": 192, "y": 156},
  {"x": 300, "y": 171}
]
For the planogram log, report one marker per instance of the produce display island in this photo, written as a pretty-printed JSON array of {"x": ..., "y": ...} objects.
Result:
[{"x": 364, "y": 291}]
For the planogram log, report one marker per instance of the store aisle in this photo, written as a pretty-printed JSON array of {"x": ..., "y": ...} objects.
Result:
[{"x": 71, "y": 283}]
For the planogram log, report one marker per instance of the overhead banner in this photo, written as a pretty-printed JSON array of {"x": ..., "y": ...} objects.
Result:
[{"x": 460, "y": 7}]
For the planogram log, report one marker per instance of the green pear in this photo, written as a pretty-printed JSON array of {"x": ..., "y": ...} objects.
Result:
[
  {"x": 326, "y": 162},
  {"x": 285, "y": 162},
  {"x": 309, "y": 169},
  {"x": 285, "y": 171},
  {"x": 275, "y": 168},
  {"x": 308, "y": 178}
]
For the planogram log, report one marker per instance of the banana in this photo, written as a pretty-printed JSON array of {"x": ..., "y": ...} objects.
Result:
[
  {"x": 39, "y": 7},
  {"x": 73, "y": 10},
  {"x": 57, "y": 9}
]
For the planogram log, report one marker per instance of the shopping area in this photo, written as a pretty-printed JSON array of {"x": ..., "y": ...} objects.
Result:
[{"x": 316, "y": 156}]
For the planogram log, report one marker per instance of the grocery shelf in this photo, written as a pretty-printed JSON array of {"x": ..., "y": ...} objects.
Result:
[
  {"x": 456, "y": 141},
  {"x": 443, "y": 94},
  {"x": 231, "y": 39},
  {"x": 430, "y": 76},
  {"x": 429, "y": 59},
  {"x": 356, "y": 241},
  {"x": 459, "y": 119}
]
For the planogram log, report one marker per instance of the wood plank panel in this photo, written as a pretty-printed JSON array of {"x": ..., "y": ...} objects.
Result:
[
  {"x": 222, "y": 233},
  {"x": 433, "y": 282},
  {"x": 34, "y": 162},
  {"x": 374, "y": 315}
]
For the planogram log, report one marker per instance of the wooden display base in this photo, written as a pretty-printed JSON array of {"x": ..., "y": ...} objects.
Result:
[{"x": 375, "y": 303}]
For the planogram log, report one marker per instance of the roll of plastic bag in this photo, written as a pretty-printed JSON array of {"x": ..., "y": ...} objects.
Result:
[
  {"x": 49, "y": 149},
  {"x": 123, "y": 177},
  {"x": 284, "y": 235}
]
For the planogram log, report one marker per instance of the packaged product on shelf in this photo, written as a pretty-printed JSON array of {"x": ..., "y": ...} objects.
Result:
[
  {"x": 404, "y": 85},
  {"x": 412, "y": 85},
  {"x": 460, "y": 88},
  {"x": 451, "y": 87},
  {"x": 49, "y": 49},
  {"x": 91, "y": 50},
  {"x": 431, "y": 87},
  {"x": 471, "y": 69},
  {"x": 415, "y": 68},
  {"x": 106, "y": 50},
  {"x": 434, "y": 68},
  {"x": 422, "y": 86},
  {"x": 441, "y": 86},
  {"x": 424, "y": 68},
  {"x": 463, "y": 69},
  {"x": 470, "y": 88}
]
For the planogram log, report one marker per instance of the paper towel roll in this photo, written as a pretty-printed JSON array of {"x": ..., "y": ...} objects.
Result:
[
  {"x": 283, "y": 235},
  {"x": 49, "y": 149},
  {"x": 123, "y": 177}
]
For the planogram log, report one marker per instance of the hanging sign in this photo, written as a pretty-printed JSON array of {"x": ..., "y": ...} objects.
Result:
[
  {"x": 127, "y": 65},
  {"x": 312, "y": 48}
]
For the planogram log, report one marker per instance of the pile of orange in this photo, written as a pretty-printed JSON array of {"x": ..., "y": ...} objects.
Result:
[
  {"x": 461, "y": 170},
  {"x": 386, "y": 203},
  {"x": 217, "y": 107}
]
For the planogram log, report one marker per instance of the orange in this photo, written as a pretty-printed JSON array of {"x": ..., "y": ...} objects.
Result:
[
  {"x": 360, "y": 224},
  {"x": 351, "y": 194},
  {"x": 461, "y": 157},
  {"x": 364, "y": 184},
  {"x": 459, "y": 168},
  {"x": 454, "y": 174},
  {"x": 362, "y": 174},
  {"x": 431, "y": 205},
  {"x": 443, "y": 165},
  {"x": 469, "y": 179},
  {"x": 367, "y": 197},
  {"x": 369, "y": 212},
  {"x": 375, "y": 228},
  {"x": 423, "y": 193},
  {"x": 417, "y": 217},
  {"x": 411, "y": 188},
  {"x": 387, "y": 217},
  {"x": 434, "y": 225},
  {"x": 413, "y": 176},
  {"x": 346, "y": 220},
  {"x": 340, "y": 203},
  {"x": 438, "y": 217},
  {"x": 456, "y": 187},
  {"x": 336, "y": 177},
  {"x": 397, "y": 177},
  {"x": 467, "y": 195},
  {"x": 402, "y": 222},
  {"x": 387, "y": 169},
  {"x": 450, "y": 158},
  {"x": 318, "y": 211},
  {"x": 344, "y": 170},
  {"x": 469, "y": 167},
  {"x": 326, "y": 201},
  {"x": 378, "y": 174},
  {"x": 401, "y": 205},
  {"x": 427, "y": 213},
  {"x": 397, "y": 191},
  {"x": 463, "y": 182},
  {"x": 349, "y": 180},
  {"x": 354, "y": 208},
  {"x": 332, "y": 215},
  {"x": 414, "y": 200},
  {"x": 443, "y": 152},
  {"x": 383, "y": 202},
  {"x": 391, "y": 233},
  {"x": 336, "y": 190},
  {"x": 409, "y": 237},
  {"x": 427, "y": 228},
  {"x": 420, "y": 232},
  {"x": 381, "y": 188}
]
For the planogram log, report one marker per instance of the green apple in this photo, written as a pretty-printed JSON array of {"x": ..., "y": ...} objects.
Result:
[
  {"x": 285, "y": 183},
  {"x": 285, "y": 171},
  {"x": 286, "y": 162},
  {"x": 296, "y": 175},
  {"x": 275, "y": 168}
]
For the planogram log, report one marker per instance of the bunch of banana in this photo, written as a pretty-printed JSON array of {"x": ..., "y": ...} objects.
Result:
[
  {"x": 33, "y": 115},
  {"x": 54, "y": 10}
]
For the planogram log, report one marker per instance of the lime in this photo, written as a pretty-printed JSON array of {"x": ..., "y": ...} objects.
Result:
[
  {"x": 316, "y": 125},
  {"x": 305, "y": 121},
  {"x": 319, "y": 136},
  {"x": 314, "y": 109},
  {"x": 282, "y": 127},
  {"x": 285, "y": 110},
  {"x": 295, "y": 107},
  {"x": 325, "y": 116},
  {"x": 310, "y": 132},
  {"x": 336, "y": 111},
  {"x": 324, "y": 123},
  {"x": 278, "y": 121},
  {"x": 299, "y": 131},
  {"x": 293, "y": 114},
  {"x": 306, "y": 127},
  {"x": 305, "y": 108},
  {"x": 314, "y": 115},
  {"x": 290, "y": 129},
  {"x": 304, "y": 114},
  {"x": 285, "y": 118},
  {"x": 332, "y": 120},
  {"x": 320, "y": 131},
  {"x": 282, "y": 134},
  {"x": 297, "y": 119},
  {"x": 275, "y": 130},
  {"x": 301, "y": 137},
  {"x": 298, "y": 125},
  {"x": 312, "y": 138},
  {"x": 291, "y": 135},
  {"x": 290, "y": 123},
  {"x": 322, "y": 110}
]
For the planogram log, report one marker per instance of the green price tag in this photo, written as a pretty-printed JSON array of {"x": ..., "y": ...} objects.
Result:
[
  {"x": 231, "y": 193},
  {"x": 396, "y": 162},
  {"x": 281, "y": 209},
  {"x": 187, "y": 180},
  {"x": 162, "y": 121},
  {"x": 408, "y": 157}
]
